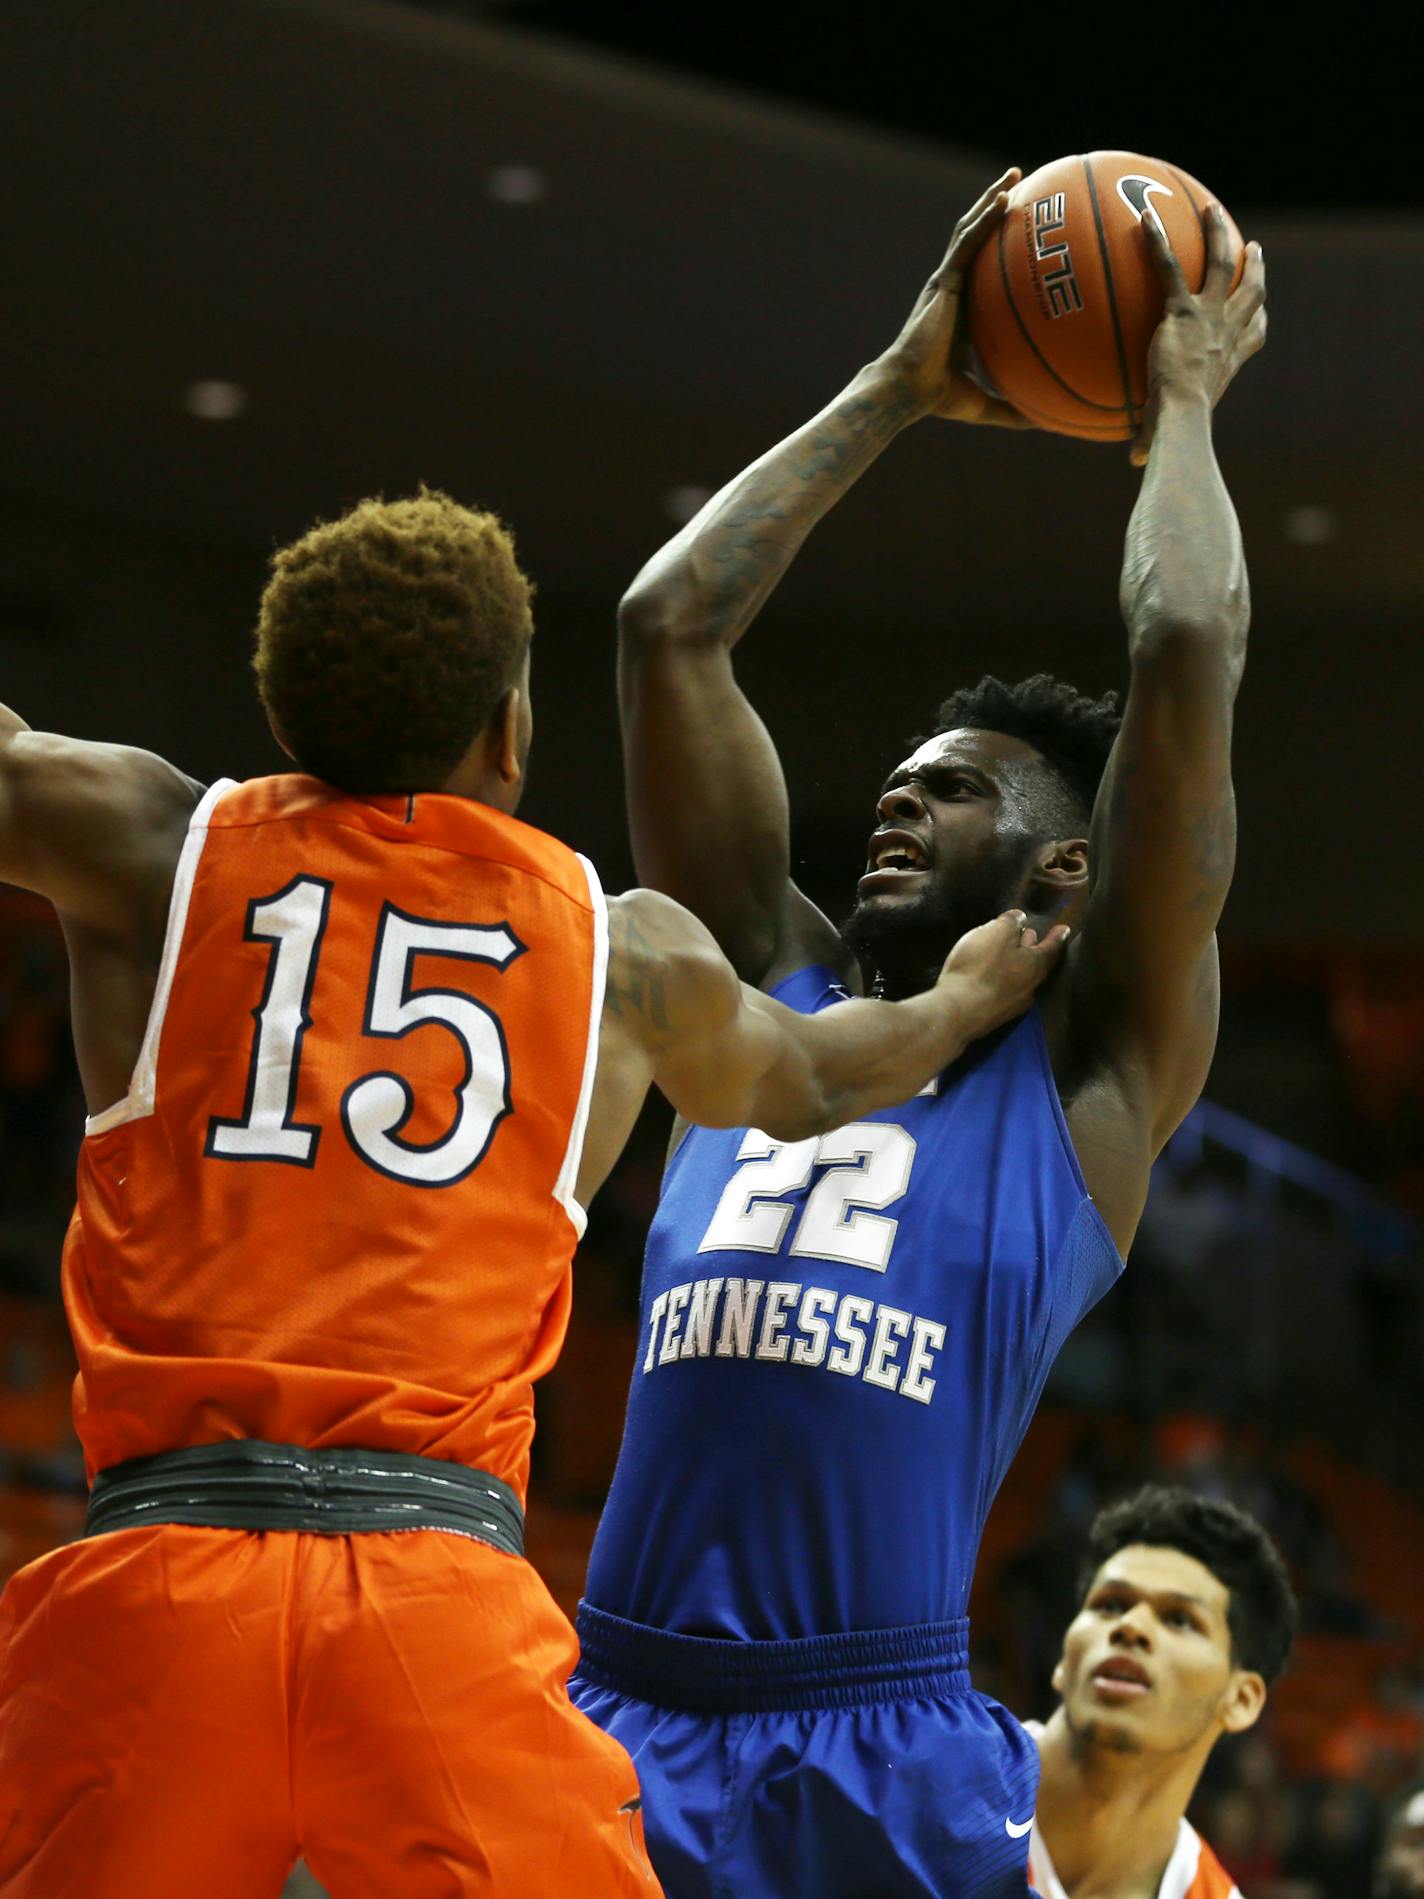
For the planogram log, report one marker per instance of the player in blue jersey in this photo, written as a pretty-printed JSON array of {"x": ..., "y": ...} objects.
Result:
[{"x": 844, "y": 1338}]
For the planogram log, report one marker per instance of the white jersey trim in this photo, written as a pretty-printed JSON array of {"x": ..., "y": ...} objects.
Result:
[
  {"x": 567, "y": 1181},
  {"x": 143, "y": 1083},
  {"x": 1177, "y": 1880}
]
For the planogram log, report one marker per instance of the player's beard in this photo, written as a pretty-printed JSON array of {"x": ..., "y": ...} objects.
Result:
[
  {"x": 1193, "y": 1722},
  {"x": 907, "y": 939},
  {"x": 1106, "y": 1735}
]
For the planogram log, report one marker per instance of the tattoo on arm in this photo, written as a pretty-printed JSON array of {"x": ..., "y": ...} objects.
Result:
[
  {"x": 1207, "y": 831},
  {"x": 636, "y": 983},
  {"x": 783, "y": 499},
  {"x": 857, "y": 423},
  {"x": 1211, "y": 845}
]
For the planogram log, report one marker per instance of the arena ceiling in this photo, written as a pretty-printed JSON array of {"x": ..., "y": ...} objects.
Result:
[{"x": 446, "y": 243}]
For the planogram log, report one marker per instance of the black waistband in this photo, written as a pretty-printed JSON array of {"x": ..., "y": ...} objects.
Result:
[
  {"x": 243, "y": 1484},
  {"x": 711, "y": 1676}
]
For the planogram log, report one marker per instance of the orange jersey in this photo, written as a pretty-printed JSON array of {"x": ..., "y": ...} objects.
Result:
[
  {"x": 336, "y": 1206},
  {"x": 1193, "y": 1872}
]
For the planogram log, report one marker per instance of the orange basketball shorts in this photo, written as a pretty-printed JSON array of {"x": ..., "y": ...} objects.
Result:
[{"x": 186, "y": 1710}]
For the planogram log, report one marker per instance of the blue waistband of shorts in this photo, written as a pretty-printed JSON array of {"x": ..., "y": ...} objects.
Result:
[{"x": 709, "y": 1676}]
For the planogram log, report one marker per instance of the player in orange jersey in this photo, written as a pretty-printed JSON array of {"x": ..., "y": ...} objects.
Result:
[
  {"x": 1187, "y": 1616},
  {"x": 358, "y": 1047}
]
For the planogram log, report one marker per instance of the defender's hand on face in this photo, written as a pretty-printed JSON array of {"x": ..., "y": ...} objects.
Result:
[
  {"x": 999, "y": 965},
  {"x": 925, "y": 354},
  {"x": 1202, "y": 340}
]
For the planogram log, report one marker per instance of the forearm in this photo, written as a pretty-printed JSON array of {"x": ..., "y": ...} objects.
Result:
[
  {"x": 1184, "y": 569},
  {"x": 713, "y": 578},
  {"x": 728, "y": 1056},
  {"x": 1163, "y": 838},
  {"x": 862, "y": 1056}
]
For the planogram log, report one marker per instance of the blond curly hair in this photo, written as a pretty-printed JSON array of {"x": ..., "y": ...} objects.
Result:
[{"x": 387, "y": 638}]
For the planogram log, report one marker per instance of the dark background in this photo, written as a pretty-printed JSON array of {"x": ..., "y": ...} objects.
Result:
[
  {"x": 295, "y": 195},
  {"x": 580, "y": 264}
]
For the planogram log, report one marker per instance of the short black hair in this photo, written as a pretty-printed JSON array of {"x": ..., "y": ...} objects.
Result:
[
  {"x": 1073, "y": 733},
  {"x": 1261, "y": 1610}
]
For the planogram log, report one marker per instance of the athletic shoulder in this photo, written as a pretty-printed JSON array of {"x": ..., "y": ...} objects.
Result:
[
  {"x": 54, "y": 767},
  {"x": 664, "y": 965},
  {"x": 1212, "y": 1880},
  {"x": 94, "y": 827},
  {"x": 806, "y": 938}
]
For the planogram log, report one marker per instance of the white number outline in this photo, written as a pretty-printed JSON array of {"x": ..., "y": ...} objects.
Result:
[
  {"x": 286, "y": 920},
  {"x": 272, "y": 1035},
  {"x": 835, "y": 1216},
  {"x": 771, "y": 1168},
  {"x": 400, "y": 938}
]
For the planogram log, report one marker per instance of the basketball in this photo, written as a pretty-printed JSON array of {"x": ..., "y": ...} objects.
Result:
[{"x": 1064, "y": 297}]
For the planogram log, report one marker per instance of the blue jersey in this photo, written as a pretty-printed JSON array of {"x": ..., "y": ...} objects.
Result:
[{"x": 843, "y": 1341}]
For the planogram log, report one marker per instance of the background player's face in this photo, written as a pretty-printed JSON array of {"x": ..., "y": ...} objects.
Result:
[
  {"x": 953, "y": 844},
  {"x": 1146, "y": 1665},
  {"x": 1401, "y": 1868}
]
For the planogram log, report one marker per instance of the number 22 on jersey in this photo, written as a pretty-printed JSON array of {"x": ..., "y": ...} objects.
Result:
[{"x": 867, "y": 1169}]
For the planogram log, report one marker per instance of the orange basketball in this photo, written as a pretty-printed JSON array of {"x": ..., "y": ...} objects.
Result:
[{"x": 1064, "y": 297}]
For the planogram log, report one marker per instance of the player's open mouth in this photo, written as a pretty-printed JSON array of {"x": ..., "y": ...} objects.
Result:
[
  {"x": 1120, "y": 1680},
  {"x": 888, "y": 877},
  {"x": 893, "y": 857}
]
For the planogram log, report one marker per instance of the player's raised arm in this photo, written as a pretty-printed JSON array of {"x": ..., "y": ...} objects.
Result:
[
  {"x": 707, "y": 800},
  {"x": 91, "y": 827},
  {"x": 675, "y": 1013},
  {"x": 1163, "y": 840}
]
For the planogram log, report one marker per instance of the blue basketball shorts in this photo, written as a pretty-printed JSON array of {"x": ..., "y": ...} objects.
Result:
[{"x": 839, "y": 1767}]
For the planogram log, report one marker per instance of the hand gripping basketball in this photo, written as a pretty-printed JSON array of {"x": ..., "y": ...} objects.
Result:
[
  {"x": 1203, "y": 339},
  {"x": 1064, "y": 299},
  {"x": 928, "y": 354}
]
